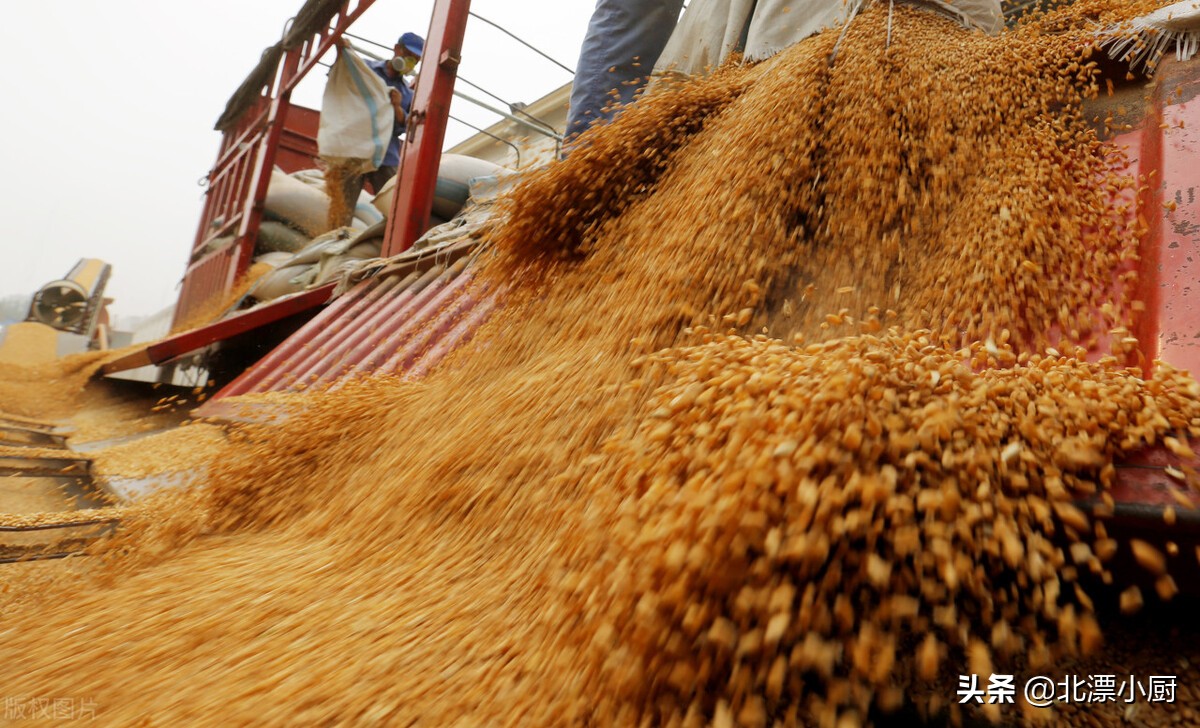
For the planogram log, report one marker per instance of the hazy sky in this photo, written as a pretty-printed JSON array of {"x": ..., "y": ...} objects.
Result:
[{"x": 108, "y": 112}]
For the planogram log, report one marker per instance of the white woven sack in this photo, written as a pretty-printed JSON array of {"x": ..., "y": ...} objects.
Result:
[
  {"x": 707, "y": 33},
  {"x": 304, "y": 206},
  {"x": 356, "y": 115}
]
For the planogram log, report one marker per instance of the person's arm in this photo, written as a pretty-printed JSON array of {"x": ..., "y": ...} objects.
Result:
[{"x": 398, "y": 106}]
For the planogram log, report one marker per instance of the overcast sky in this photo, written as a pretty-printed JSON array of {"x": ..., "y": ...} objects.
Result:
[{"x": 109, "y": 107}]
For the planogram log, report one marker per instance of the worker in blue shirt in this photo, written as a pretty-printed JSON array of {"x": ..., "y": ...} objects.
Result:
[
  {"x": 406, "y": 55},
  {"x": 623, "y": 42}
]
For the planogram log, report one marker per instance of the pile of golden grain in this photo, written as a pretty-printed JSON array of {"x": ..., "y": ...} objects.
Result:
[
  {"x": 28, "y": 343},
  {"x": 600, "y": 513},
  {"x": 46, "y": 390},
  {"x": 809, "y": 531}
]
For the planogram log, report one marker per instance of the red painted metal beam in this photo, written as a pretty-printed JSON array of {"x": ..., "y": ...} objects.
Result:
[
  {"x": 298, "y": 146},
  {"x": 426, "y": 132},
  {"x": 190, "y": 341}
]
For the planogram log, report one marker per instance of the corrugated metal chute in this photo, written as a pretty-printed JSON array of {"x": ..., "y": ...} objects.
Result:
[{"x": 403, "y": 320}]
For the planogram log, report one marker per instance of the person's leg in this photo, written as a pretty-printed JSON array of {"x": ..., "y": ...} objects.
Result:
[
  {"x": 623, "y": 42},
  {"x": 380, "y": 177}
]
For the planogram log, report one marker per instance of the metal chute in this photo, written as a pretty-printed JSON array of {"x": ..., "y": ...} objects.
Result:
[{"x": 74, "y": 303}]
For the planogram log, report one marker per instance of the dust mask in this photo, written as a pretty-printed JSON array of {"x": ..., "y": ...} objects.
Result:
[{"x": 403, "y": 65}]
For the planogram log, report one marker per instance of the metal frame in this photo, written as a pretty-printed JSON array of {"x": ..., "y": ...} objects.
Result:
[
  {"x": 164, "y": 351},
  {"x": 237, "y": 183}
]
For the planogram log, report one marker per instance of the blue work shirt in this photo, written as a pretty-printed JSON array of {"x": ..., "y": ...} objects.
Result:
[{"x": 392, "y": 158}]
